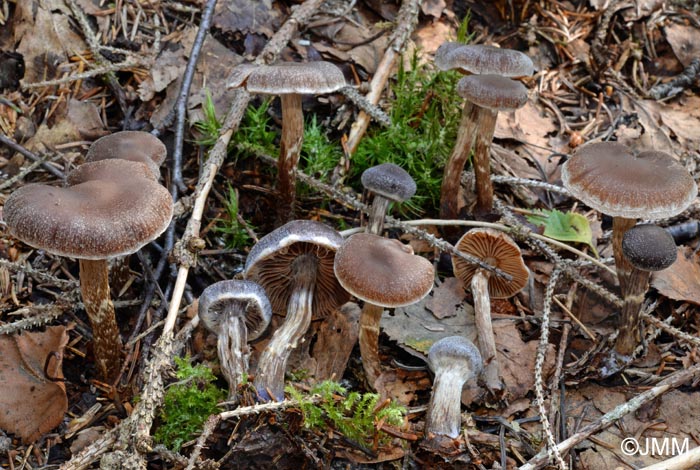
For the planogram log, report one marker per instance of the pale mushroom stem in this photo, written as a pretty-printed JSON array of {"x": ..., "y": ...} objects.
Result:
[
  {"x": 486, "y": 126},
  {"x": 107, "y": 345},
  {"x": 377, "y": 211},
  {"x": 633, "y": 283},
  {"x": 233, "y": 352},
  {"x": 444, "y": 410},
  {"x": 486, "y": 340},
  {"x": 269, "y": 378},
  {"x": 450, "y": 190},
  {"x": 370, "y": 319},
  {"x": 290, "y": 149}
]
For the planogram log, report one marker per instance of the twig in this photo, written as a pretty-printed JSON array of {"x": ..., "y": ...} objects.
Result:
[
  {"x": 24, "y": 172},
  {"x": 255, "y": 409},
  {"x": 374, "y": 111},
  {"x": 181, "y": 104},
  {"x": 552, "y": 451},
  {"x": 209, "y": 427},
  {"x": 44, "y": 314},
  {"x": 679, "y": 462},
  {"x": 95, "y": 71},
  {"x": 675, "y": 332},
  {"x": 671, "y": 382},
  {"x": 515, "y": 181},
  {"x": 406, "y": 22},
  {"x": 38, "y": 275},
  {"x": 41, "y": 161},
  {"x": 678, "y": 83}
]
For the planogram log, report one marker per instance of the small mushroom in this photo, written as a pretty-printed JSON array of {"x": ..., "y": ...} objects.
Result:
[
  {"x": 135, "y": 146},
  {"x": 289, "y": 81},
  {"x": 383, "y": 273},
  {"x": 237, "y": 312},
  {"x": 496, "y": 249},
  {"x": 112, "y": 208},
  {"x": 454, "y": 360},
  {"x": 389, "y": 182},
  {"x": 484, "y": 98},
  {"x": 611, "y": 178},
  {"x": 294, "y": 264}
]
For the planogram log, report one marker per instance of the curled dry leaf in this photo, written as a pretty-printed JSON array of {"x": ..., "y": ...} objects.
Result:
[
  {"x": 682, "y": 280},
  {"x": 32, "y": 394}
]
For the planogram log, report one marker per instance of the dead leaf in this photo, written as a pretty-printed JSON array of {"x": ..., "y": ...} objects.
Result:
[
  {"x": 401, "y": 385},
  {"x": 335, "y": 338},
  {"x": 246, "y": 16},
  {"x": 446, "y": 298},
  {"x": 32, "y": 404},
  {"x": 80, "y": 120},
  {"x": 681, "y": 281},
  {"x": 429, "y": 37},
  {"x": 684, "y": 40},
  {"x": 45, "y": 36},
  {"x": 433, "y": 7},
  {"x": 168, "y": 67}
]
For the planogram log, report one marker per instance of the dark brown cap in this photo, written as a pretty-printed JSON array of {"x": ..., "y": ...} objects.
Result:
[
  {"x": 313, "y": 78},
  {"x": 244, "y": 299},
  {"x": 496, "y": 249},
  {"x": 493, "y": 91},
  {"x": 649, "y": 247},
  {"x": 481, "y": 59},
  {"x": 383, "y": 271},
  {"x": 389, "y": 180},
  {"x": 610, "y": 178},
  {"x": 270, "y": 263},
  {"x": 94, "y": 219},
  {"x": 129, "y": 145}
]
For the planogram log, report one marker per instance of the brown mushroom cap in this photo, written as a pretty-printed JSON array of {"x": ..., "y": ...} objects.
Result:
[
  {"x": 493, "y": 91},
  {"x": 109, "y": 170},
  {"x": 609, "y": 177},
  {"x": 292, "y": 78},
  {"x": 94, "y": 219},
  {"x": 239, "y": 298},
  {"x": 482, "y": 59},
  {"x": 135, "y": 146},
  {"x": 270, "y": 264},
  {"x": 497, "y": 249},
  {"x": 383, "y": 271},
  {"x": 389, "y": 180},
  {"x": 649, "y": 247}
]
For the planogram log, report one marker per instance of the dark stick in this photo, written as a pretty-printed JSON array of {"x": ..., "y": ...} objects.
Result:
[
  {"x": 18, "y": 148},
  {"x": 181, "y": 105},
  {"x": 678, "y": 83}
]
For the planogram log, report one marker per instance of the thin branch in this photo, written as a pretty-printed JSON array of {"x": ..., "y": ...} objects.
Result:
[
  {"x": 678, "y": 83},
  {"x": 20, "y": 149}
]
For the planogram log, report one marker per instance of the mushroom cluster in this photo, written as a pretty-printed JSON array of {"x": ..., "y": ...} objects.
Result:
[
  {"x": 111, "y": 207},
  {"x": 611, "y": 178},
  {"x": 489, "y": 90}
]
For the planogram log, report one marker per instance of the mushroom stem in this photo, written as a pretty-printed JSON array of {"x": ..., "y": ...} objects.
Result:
[
  {"x": 630, "y": 279},
  {"x": 269, "y": 378},
  {"x": 233, "y": 352},
  {"x": 290, "y": 149},
  {"x": 486, "y": 340},
  {"x": 485, "y": 128},
  {"x": 370, "y": 319},
  {"x": 444, "y": 410},
  {"x": 449, "y": 192},
  {"x": 376, "y": 214},
  {"x": 107, "y": 345}
]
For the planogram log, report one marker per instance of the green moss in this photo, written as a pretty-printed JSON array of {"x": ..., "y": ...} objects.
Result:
[
  {"x": 354, "y": 415},
  {"x": 187, "y": 404}
]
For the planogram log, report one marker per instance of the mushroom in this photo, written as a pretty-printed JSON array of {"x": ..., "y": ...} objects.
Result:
[
  {"x": 484, "y": 98},
  {"x": 135, "y": 146},
  {"x": 454, "y": 360},
  {"x": 647, "y": 248},
  {"x": 389, "y": 182},
  {"x": 496, "y": 249},
  {"x": 611, "y": 178},
  {"x": 111, "y": 208},
  {"x": 236, "y": 311},
  {"x": 294, "y": 264},
  {"x": 384, "y": 273},
  {"x": 289, "y": 81}
]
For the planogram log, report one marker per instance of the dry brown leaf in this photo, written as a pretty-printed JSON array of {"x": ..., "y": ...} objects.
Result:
[
  {"x": 446, "y": 298},
  {"x": 168, "y": 67},
  {"x": 246, "y": 16},
  {"x": 681, "y": 281},
  {"x": 335, "y": 336},
  {"x": 433, "y": 7},
  {"x": 32, "y": 404},
  {"x": 79, "y": 120},
  {"x": 684, "y": 40},
  {"x": 429, "y": 37}
]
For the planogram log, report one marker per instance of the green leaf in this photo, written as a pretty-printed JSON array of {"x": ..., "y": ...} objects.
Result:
[{"x": 564, "y": 226}]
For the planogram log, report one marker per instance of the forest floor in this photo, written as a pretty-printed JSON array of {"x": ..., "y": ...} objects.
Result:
[{"x": 72, "y": 71}]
